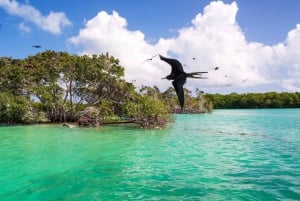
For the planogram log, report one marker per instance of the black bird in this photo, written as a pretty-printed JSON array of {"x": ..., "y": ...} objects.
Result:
[
  {"x": 179, "y": 77},
  {"x": 216, "y": 68},
  {"x": 36, "y": 46}
]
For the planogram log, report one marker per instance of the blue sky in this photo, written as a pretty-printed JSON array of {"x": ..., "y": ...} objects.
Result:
[{"x": 256, "y": 41}]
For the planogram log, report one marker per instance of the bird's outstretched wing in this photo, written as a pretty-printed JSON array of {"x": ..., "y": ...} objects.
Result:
[
  {"x": 177, "y": 68},
  {"x": 178, "y": 85},
  {"x": 150, "y": 59}
]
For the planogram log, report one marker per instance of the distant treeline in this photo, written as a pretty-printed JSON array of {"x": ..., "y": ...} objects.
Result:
[{"x": 255, "y": 100}]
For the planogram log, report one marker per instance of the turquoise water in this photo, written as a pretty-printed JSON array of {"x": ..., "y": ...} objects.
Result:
[{"x": 226, "y": 155}]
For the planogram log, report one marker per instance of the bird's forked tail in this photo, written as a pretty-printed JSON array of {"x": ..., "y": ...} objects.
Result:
[{"x": 196, "y": 75}]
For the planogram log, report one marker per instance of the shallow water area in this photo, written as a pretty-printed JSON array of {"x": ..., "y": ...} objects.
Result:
[{"x": 226, "y": 155}]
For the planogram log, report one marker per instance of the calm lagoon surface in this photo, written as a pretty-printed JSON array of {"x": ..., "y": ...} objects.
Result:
[{"x": 226, "y": 155}]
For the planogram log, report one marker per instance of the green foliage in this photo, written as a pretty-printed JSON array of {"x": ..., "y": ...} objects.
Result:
[
  {"x": 12, "y": 78},
  {"x": 255, "y": 100},
  {"x": 12, "y": 108},
  {"x": 106, "y": 110},
  {"x": 147, "y": 105},
  {"x": 151, "y": 112},
  {"x": 130, "y": 109}
]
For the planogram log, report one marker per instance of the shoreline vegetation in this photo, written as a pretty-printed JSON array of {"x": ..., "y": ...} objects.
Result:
[
  {"x": 56, "y": 87},
  {"x": 255, "y": 100}
]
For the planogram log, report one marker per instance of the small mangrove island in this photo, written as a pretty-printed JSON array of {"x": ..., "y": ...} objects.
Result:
[{"x": 57, "y": 87}]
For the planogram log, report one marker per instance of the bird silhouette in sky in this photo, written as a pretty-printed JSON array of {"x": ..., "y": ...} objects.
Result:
[
  {"x": 179, "y": 77},
  {"x": 36, "y": 46},
  {"x": 216, "y": 68},
  {"x": 150, "y": 59}
]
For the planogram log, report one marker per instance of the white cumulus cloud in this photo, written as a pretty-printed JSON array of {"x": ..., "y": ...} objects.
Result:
[
  {"x": 109, "y": 33},
  {"x": 213, "y": 38},
  {"x": 54, "y": 22},
  {"x": 288, "y": 58}
]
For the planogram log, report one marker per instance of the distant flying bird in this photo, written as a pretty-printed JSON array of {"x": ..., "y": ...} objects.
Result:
[
  {"x": 179, "y": 77},
  {"x": 216, "y": 68},
  {"x": 150, "y": 59},
  {"x": 244, "y": 80},
  {"x": 36, "y": 46}
]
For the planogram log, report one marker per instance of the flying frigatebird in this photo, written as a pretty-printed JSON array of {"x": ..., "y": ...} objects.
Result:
[
  {"x": 36, "y": 46},
  {"x": 179, "y": 77}
]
